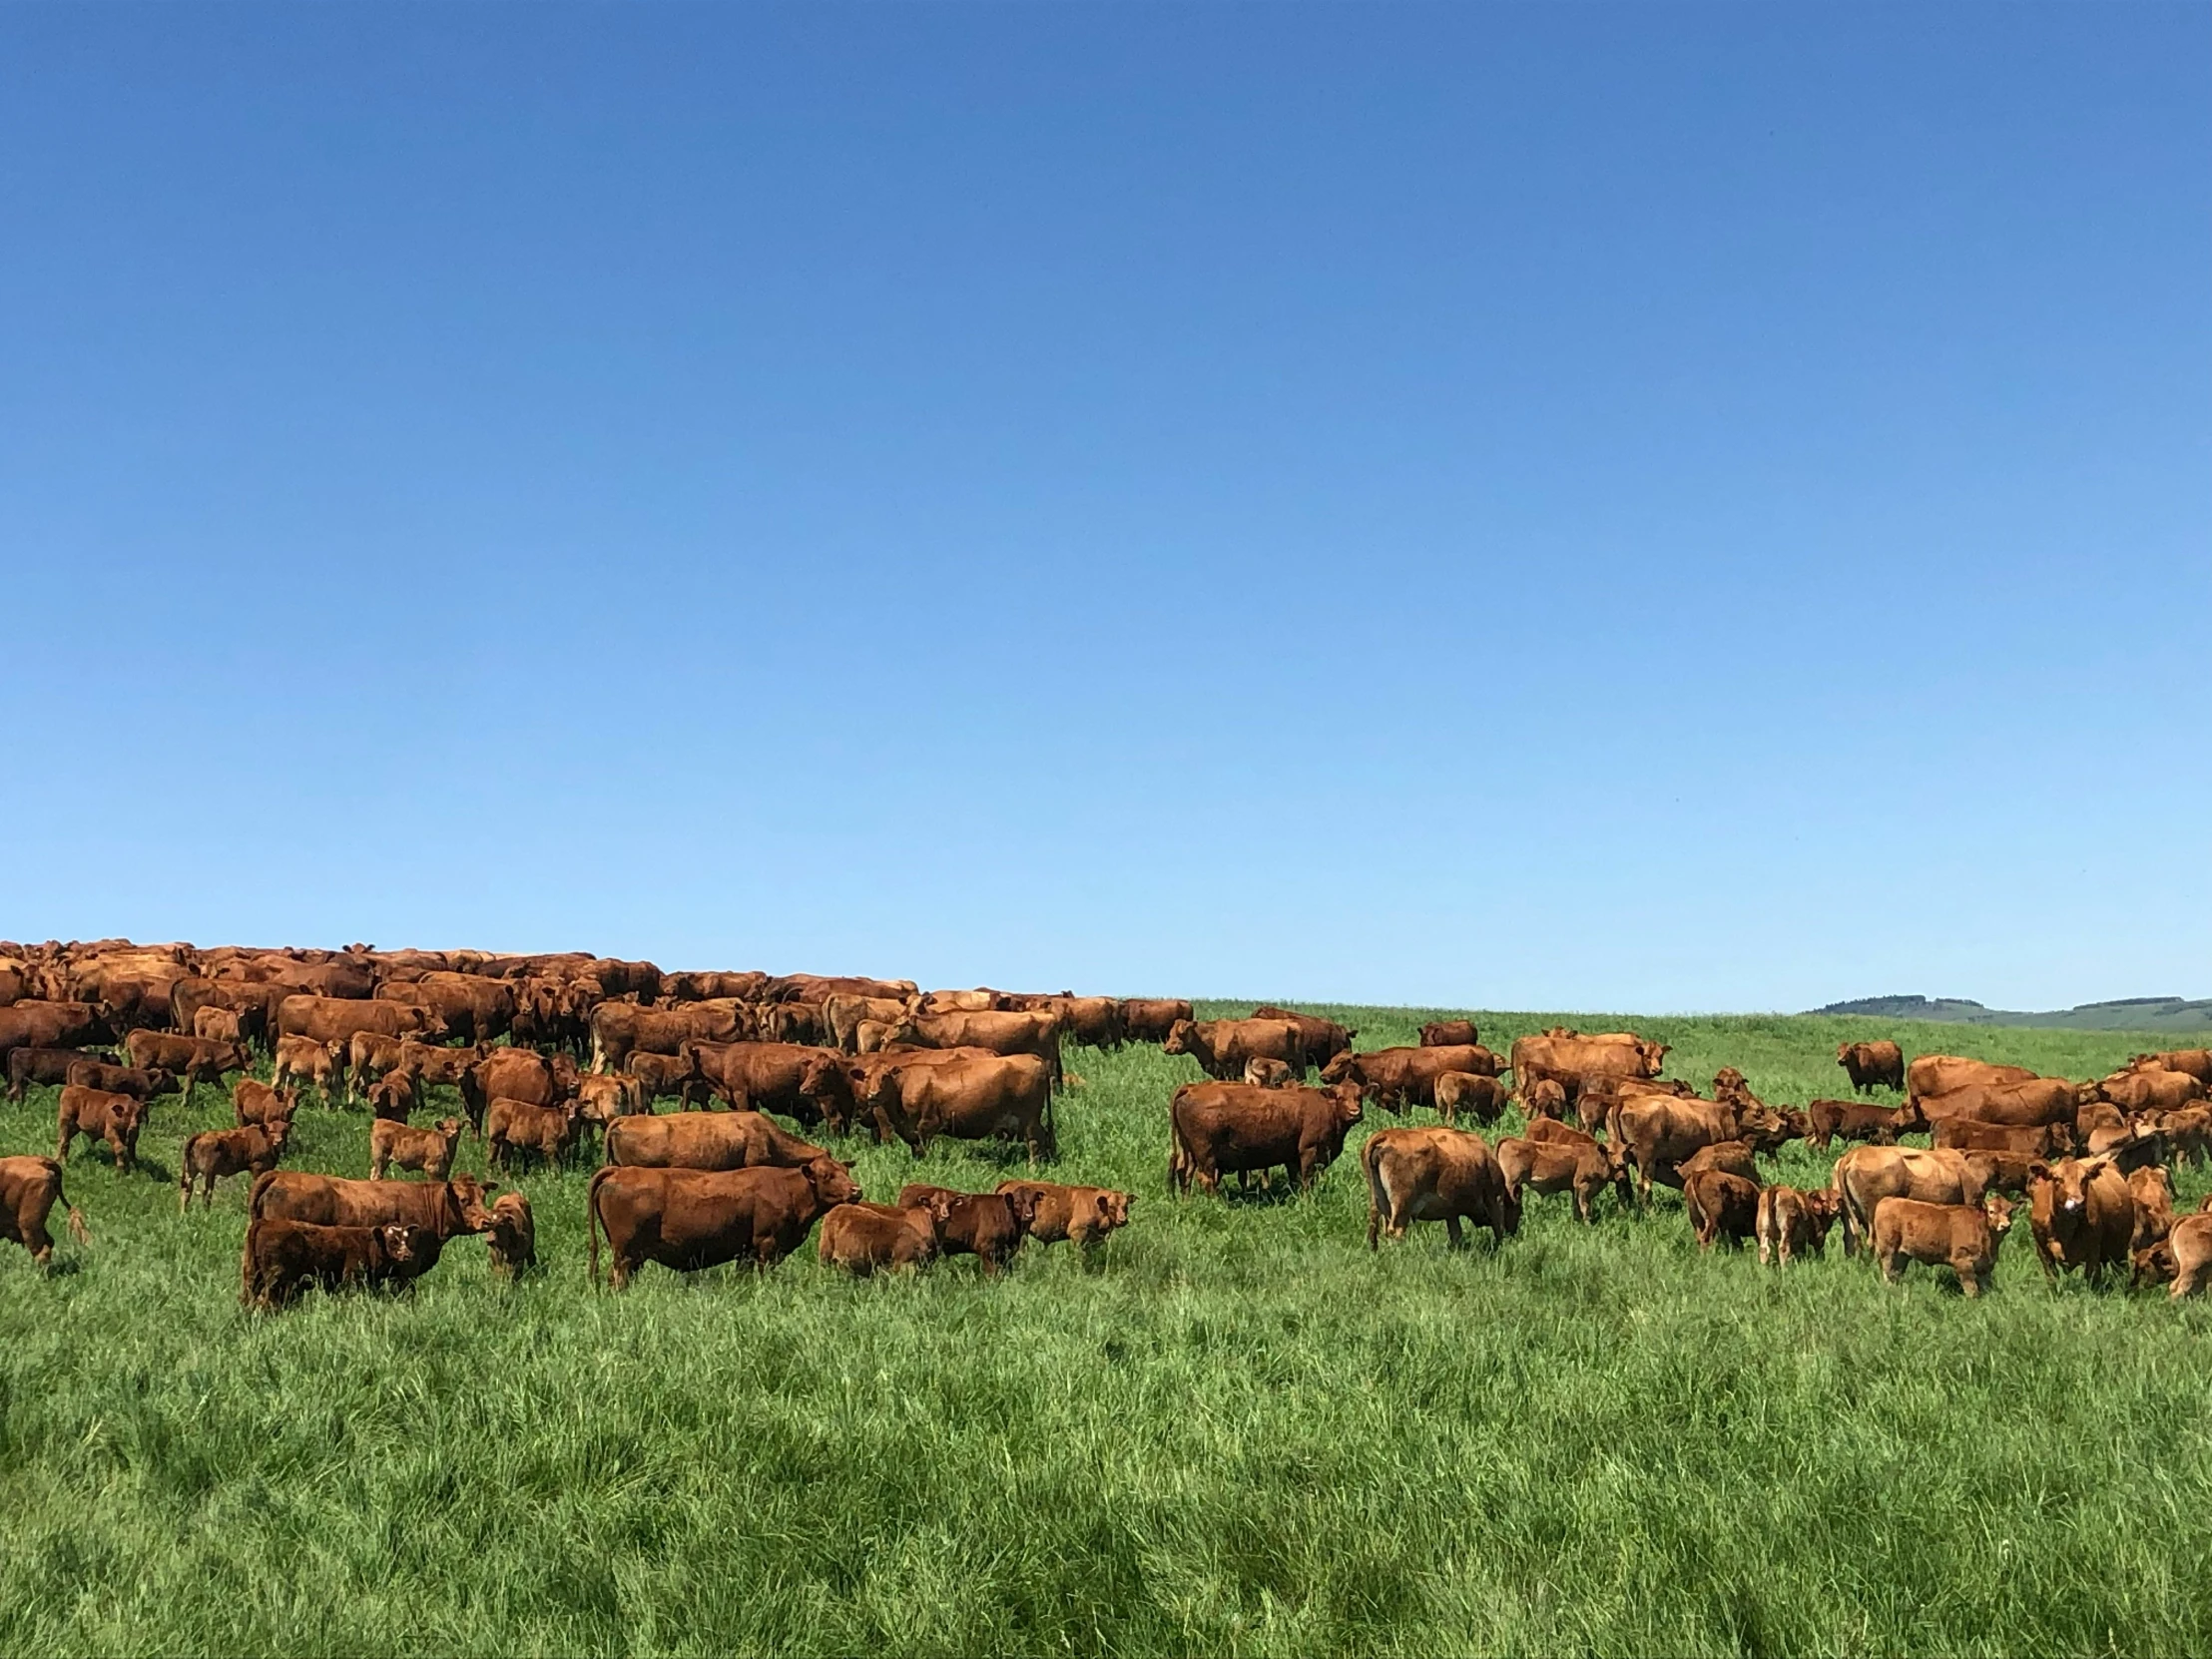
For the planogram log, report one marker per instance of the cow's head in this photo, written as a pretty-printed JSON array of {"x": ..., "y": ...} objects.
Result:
[
  {"x": 824, "y": 1078},
  {"x": 469, "y": 1196},
  {"x": 448, "y": 1130},
  {"x": 2069, "y": 1182},
  {"x": 1024, "y": 1201},
  {"x": 1654, "y": 1056},
  {"x": 1999, "y": 1209},
  {"x": 832, "y": 1181},
  {"x": 278, "y": 1132},
  {"x": 1180, "y": 1038},
  {"x": 399, "y": 1241},
  {"x": 161, "y": 1080},
  {"x": 2154, "y": 1264},
  {"x": 1343, "y": 1067},
  {"x": 1113, "y": 1209},
  {"x": 1349, "y": 1109}
]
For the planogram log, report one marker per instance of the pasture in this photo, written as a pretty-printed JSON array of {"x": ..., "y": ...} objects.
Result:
[{"x": 1232, "y": 1429}]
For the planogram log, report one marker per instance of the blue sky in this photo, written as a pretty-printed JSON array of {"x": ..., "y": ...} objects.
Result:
[{"x": 1659, "y": 508}]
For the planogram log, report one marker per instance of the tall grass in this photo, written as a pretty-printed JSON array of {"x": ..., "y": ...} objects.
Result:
[{"x": 1233, "y": 1429}]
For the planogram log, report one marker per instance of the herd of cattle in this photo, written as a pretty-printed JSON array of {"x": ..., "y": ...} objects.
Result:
[{"x": 547, "y": 1053}]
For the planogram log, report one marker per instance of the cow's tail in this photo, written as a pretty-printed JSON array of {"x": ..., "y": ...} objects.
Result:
[
  {"x": 74, "y": 1216},
  {"x": 1847, "y": 1206},
  {"x": 1370, "y": 1161},
  {"x": 262, "y": 1184},
  {"x": 592, "y": 1222}
]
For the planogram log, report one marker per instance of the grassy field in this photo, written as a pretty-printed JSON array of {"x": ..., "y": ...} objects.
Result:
[{"x": 1234, "y": 1429}]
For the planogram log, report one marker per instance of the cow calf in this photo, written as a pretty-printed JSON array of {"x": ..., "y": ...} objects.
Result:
[
  {"x": 987, "y": 1226},
  {"x": 282, "y": 1258},
  {"x": 1963, "y": 1236},
  {"x": 862, "y": 1238},
  {"x": 215, "y": 1153}
]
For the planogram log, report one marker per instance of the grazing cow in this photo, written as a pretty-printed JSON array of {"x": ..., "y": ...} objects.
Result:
[
  {"x": 1872, "y": 1066},
  {"x": 2081, "y": 1216},
  {"x": 1218, "y": 1127},
  {"x": 304, "y": 1057},
  {"x": 42, "y": 1065},
  {"x": 1720, "y": 1158},
  {"x": 987, "y": 1226},
  {"x": 692, "y": 1219},
  {"x": 1866, "y": 1174},
  {"x": 2153, "y": 1188},
  {"x": 606, "y": 1096},
  {"x": 1450, "y": 1034},
  {"x": 195, "y": 1059},
  {"x": 29, "y": 1188},
  {"x": 426, "y": 1151},
  {"x": 546, "y": 1132},
  {"x": 222, "y": 1026},
  {"x": 1824, "y": 1120},
  {"x": 1222, "y": 1046},
  {"x": 2051, "y": 1140},
  {"x": 392, "y": 1097},
  {"x": 1263, "y": 1073},
  {"x": 862, "y": 1238},
  {"x": 802, "y": 1082},
  {"x": 1322, "y": 1039},
  {"x": 215, "y": 1153},
  {"x": 707, "y": 1140},
  {"x": 254, "y": 1102},
  {"x": 1582, "y": 1166},
  {"x": 1082, "y": 1214},
  {"x": 1943, "y": 1073},
  {"x": 1721, "y": 1205},
  {"x": 971, "y": 1099},
  {"x": 1793, "y": 1223},
  {"x": 2184, "y": 1256},
  {"x": 2023, "y": 1102},
  {"x": 512, "y": 1241},
  {"x": 2150, "y": 1090},
  {"x": 1435, "y": 1175},
  {"x": 99, "y": 1116},
  {"x": 282, "y": 1258},
  {"x": 140, "y": 1083},
  {"x": 1656, "y": 1132},
  {"x": 446, "y": 1208},
  {"x": 1150, "y": 1020},
  {"x": 1962, "y": 1236},
  {"x": 1402, "y": 1079},
  {"x": 1464, "y": 1091}
]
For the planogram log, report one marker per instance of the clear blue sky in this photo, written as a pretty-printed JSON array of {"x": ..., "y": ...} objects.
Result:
[{"x": 1549, "y": 506}]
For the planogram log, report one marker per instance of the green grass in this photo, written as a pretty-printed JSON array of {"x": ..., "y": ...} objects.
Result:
[{"x": 1235, "y": 1430}]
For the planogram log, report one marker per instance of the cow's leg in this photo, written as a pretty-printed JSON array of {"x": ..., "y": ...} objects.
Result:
[
  {"x": 1967, "y": 1282},
  {"x": 1452, "y": 1231}
]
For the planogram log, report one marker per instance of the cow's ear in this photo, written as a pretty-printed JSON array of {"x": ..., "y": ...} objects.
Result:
[{"x": 2038, "y": 1171}]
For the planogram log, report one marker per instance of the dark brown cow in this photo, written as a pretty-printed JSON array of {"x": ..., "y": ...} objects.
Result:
[
  {"x": 2081, "y": 1216},
  {"x": 1583, "y": 1166},
  {"x": 1463, "y": 1091},
  {"x": 1872, "y": 1066},
  {"x": 392, "y": 1097},
  {"x": 1826, "y": 1120},
  {"x": 1402, "y": 1079},
  {"x": 1450, "y": 1034},
  {"x": 99, "y": 1116},
  {"x": 215, "y": 1153},
  {"x": 254, "y": 1102},
  {"x": 139, "y": 1082},
  {"x": 29, "y": 1190},
  {"x": 446, "y": 1208},
  {"x": 802, "y": 1082},
  {"x": 2051, "y": 1140},
  {"x": 1323, "y": 1039},
  {"x": 1149, "y": 1019},
  {"x": 1222, "y": 1046},
  {"x": 1435, "y": 1175},
  {"x": 692, "y": 1219},
  {"x": 988, "y": 1097},
  {"x": 1221, "y": 1127},
  {"x": 427, "y": 1151},
  {"x": 282, "y": 1258},
  {"x": 544, "y": 1132},
  {"x": 1721, "y": 1205},
  {"x": 512, "y": 1241},
  {"x": 193, "y": 1060},
  {"x": 1082, "y": 1214},
  {"x": 42, "y": 1065},
  {"x": 987, "y": 1226},
  {"x": 867, "y": 1237},
  {"x": 707, "y": 1140},
  {"x": 1962, "y": 1236},
  {"x": 1793, "y": 1223}
]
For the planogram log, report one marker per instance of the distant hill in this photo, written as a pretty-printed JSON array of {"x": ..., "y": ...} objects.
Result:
[{"x": 2129, "y": 1014}]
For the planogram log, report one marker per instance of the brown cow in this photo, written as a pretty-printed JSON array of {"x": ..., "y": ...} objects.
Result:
[
  {"x": 304, "y": 1057},
  {"x": 1402, "y": 1079},
  {"x": 2081, "y": 1216},
  {"x": 667, "y": 1077},
  {"x": 1943, "y": 1073},
  {"x": 1082, "y": 1214},
  {"x": 1263, "y": 1073},
  {"x": 981, "y": 1098},
  {"x": 545, "y": 1131},
  {"x": 335, "y": 1019},
  {"x": 512, "y": 1241},
  {"x": 1546, "y": 1097},
  {"x": 282, "y": 1258},
  {"x": 368, "y": 1057},
  {"x": 29, "y": 1190},
  {"x": 2003, "y": 1172},
  {"x": 1435, "y": 1175},
  {"x": 709, "y": 1140},
  {"x": 217, "y": 1025},
  {"x": 2184, "y": 1256},
  {"x": 99, "y": 1116},
  {"x": 42, "y": 1065},
  {"x": 1222, "y": 1046},
  {"x": 195, "y": 1059},
  {"x": 1035, "y": 1033},
  {"x": 1218, "y": 1127},
  {"x": 2150, "y": 1090},
  {"x": 1872, "y": 1066},
  {"x": 1464, "y": 1091},
  {"x": 1323, "y": 1039},
  {"x": 1149, "y": 1019},
  {"x": 1572, "y": 1059},
  {"x": 392, "y": 1097},
  {"x": 254, "y": 1102},
  {"x": 2189, "y": 1133},
  {"x": 1450, "y": 1034},
  {"x": 1582, "y": 1166},
  {"x": 692, "y": 1219},
  {"x": 2051, "y": 1140},
  {"x": 1962, "y": 1236},
  {"x": 513, "y": 1074},
  {"x": 429, "y": 1064},
  {"x": 2153, "y": 1188},
  {"x": 1876, "y": 1125},
  {"x": 802, "y": 1082},
  {"x": 53, "y": 1024},
  {"x": 1866, "y": 1174},
  {"x": 1720, "y": 1158},
  {"x": 2023, "y": 1102},
  {"x": 215, "y": 1153},
  {"x": 862, "y": 1238},
  {"x": 987, "y": 1226},
  {"x": 446, "y": 1208},
  {"x": 1721, "y": 1205},
  {"x": 1656, "y": 1132},
  {"x": 2197, "y": 1062},
  {"x": 427, "y": 1151},
  {"x": 1793, "y": 1223},
  {"x": 842, "y": 1016},
  {"x": 139, "y": 1082}
]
